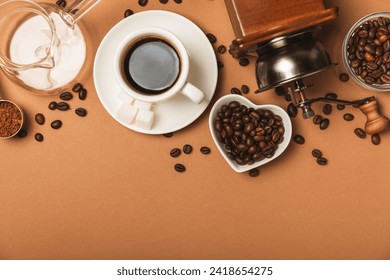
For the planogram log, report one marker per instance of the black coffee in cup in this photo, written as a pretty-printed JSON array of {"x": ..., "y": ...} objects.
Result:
[{"x": 151, "y": 65}]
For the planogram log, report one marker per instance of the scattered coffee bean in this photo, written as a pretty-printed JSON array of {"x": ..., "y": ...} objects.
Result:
[
  {"x": 83, "y": 94},
  {"x": 322, "y": 161},
  {"x": 61, "y": 3},
  {"x": 243, "y": 61},
  {"x": 81, "y": 112},
  {"x": 53, "y": 105},
  {"x": 348, "y": 117},
  {"x": 66, "y": 96},
  {"x": 344, "y": 77},
  {"x": 292, "y": 111},
  {"x": 63, "y": 106},
  {"x": 340, "y": 107},
  {"x": 317, "y": 119},
  {"x": 245, "y": 89},
  {"x": 175, "y": 152},
  {"x": 324, "y": 123},
  {"x": 254, "y": 172},
  {"x": 316, "y": 153},
  {"x": 39, "y": 137},
  {"x": 331, "y": 95},
  {"x": 327, "y": 109},
  {"x": 180, "y": 168},
  {"x": 211, "y": 38},
  {"x": 299, "y": 139},
  {"x": 168, "y": 135},
  {"x": 375, "y": 139},
  {"x": 126, "y": 14},
  {"x": 221, "y": 49},
  {"x": 163, "y": 1},
  {"x": 205, "y": 150},
  {"x": 77, "y": 87},
  {"x": 40, "y": 118},
  {"x": 287, "y": 97},
  {"x": 187, "y": 149},
  {"x": 178, "y": 1},
  {"x": 56, "y": 124},
  {"x": 142, "y": 3},
  {"x": 219, "y": 64},
  {"x": 280, "y": 91},
  {"x": 22, "y": 133},
  {"x": 360, "y": 133},
  {"x": 235, "y": 90}
]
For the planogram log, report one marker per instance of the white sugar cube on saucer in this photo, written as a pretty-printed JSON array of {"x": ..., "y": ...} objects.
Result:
[
  {"x": 127, "y": 113},
  {"x": 125, "y": 98},
  {"x": 143, "y": 105},
  {"x": 144, "y": 119}
]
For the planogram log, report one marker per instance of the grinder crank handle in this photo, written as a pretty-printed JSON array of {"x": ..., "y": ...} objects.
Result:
[{"x": 376, "y": 122}]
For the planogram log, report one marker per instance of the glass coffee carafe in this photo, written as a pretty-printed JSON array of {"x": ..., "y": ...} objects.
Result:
[{"x": 42, "y": 46}]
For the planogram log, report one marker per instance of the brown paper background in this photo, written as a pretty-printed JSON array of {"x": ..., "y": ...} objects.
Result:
[{"x": 96, "y": 190}]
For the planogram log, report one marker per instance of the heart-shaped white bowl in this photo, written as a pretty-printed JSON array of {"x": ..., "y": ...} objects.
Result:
[{"x": 244, "y": 101}]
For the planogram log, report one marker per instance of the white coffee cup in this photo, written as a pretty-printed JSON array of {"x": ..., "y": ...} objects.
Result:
[{"x": 179, "y": 86}]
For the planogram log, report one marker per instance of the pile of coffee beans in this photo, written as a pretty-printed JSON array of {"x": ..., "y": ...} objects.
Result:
[
  {"x": 248, "y": 134},
  {"x": 187, "y": 149},
  {"x": 62, "y": 105},
  {"x": 368, "y": 51}
]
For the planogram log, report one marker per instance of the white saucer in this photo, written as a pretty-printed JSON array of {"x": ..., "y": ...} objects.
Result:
[{"x": 177, "y": 112}]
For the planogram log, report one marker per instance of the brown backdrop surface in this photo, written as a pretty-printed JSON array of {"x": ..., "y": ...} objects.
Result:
[{"x": 96, "y": 190}]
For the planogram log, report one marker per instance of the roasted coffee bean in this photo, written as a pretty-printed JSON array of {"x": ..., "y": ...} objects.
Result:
[
  {"x": 243, "y": 61},
  {"x": 340, "y": 107},
  {"x": 56, "y": 124},
  {"x": 317, "y": 119},
  {"x": 61, "y": 3},
  {"x": 254, "y": 172},
  {"x": 77, "y": 87},
  {"x": 344, "y": 77},
  {"x": 327, "y": 109},
  {"x": 280, "y": 91},
  {"x": 40, "y": 118},
  {"x": 180, "y": 168},
  {"x": 63, "y": 106},
  {"x": 316, "y": 153},
  {"x": 292, "y": 110},
  {"x": 22, "y": 133},
  {"x": 245, "y": 89},
  {"x": 235, "y": 90},
  {"x": 52, "y": 105},
  {"x": 205, "y": 150},
  {"x": 220, "y": 64},
  {"x": 221, "y": 49},
  {"x": 360, "y": 133},
  {"x": 331, "y": 95},
  {"x": 324, "y": 124},
  {"x": 348, "y": 117},
  {"x": 128, "y": 13},
  {"x": 187, "y": 149},
  {"x": 175, "y": 152},
  {"x": 178, "y": 1},
  {"x": 39, "y": 137},
  {"x": 375, "y": 139},
  {"x": 81, "y": 112},
  {"x": 142, "y": 3},
  {"x": 322, "y": 161},
  {"x": 163, "y": 1},
  {"x": 82, "y": 94},
  {"x": 299, "y": 139},
  {"x": 211, "y": 38},
  {"x": 287, "y": 97},
  {"x": 66, "y": 96},
  {"x": 168, "y": 135}
]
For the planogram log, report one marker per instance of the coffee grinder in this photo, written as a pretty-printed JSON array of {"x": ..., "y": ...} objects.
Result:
[{"x": 281, "y": 34}]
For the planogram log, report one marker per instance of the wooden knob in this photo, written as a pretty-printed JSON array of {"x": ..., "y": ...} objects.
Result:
[{"x": 376, "y": 122}]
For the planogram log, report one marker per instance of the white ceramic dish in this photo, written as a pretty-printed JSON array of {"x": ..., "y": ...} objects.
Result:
[
  {"x": 177, "y": 112},
  {"x": 244, "y": 101}
]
